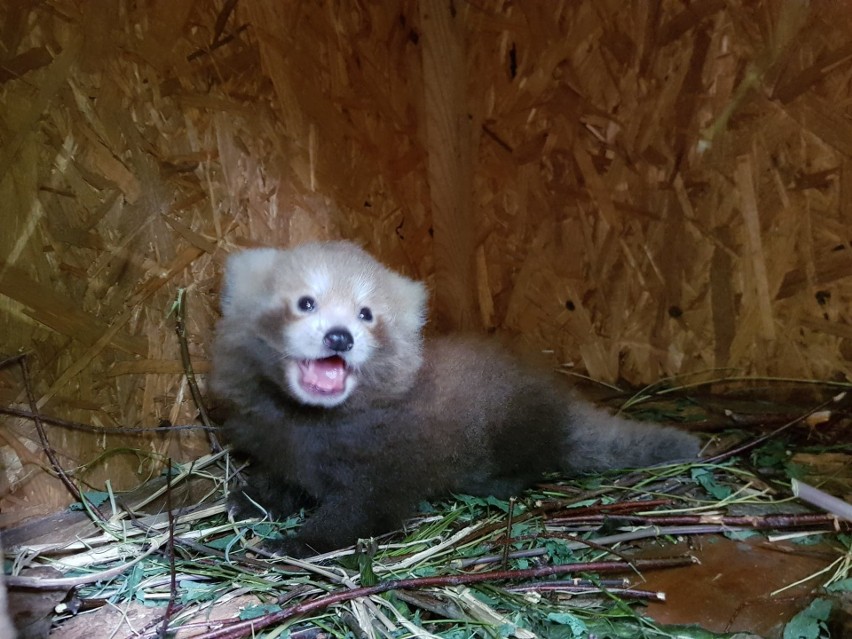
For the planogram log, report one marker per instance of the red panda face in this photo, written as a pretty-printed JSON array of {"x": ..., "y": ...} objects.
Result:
[
  {"x": 332, "y": 319},
  {"x": 329, "y": 338}
]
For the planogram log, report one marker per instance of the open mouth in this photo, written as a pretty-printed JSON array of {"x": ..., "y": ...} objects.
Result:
[{"x": 326, "y": 376}]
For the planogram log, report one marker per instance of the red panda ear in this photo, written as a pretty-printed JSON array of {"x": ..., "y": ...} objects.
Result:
[
  {"x": 247, "y": 279},
  {"x": 408, "y": 299}
]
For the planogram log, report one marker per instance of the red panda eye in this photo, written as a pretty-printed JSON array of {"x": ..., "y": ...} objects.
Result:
[
  {"x": 306, "y": 304},
  {"x": 366, "y": 314}
]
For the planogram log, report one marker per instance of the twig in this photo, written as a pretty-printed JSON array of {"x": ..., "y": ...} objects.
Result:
[
  {"x": 625, "y": 481},
  {"x": 100, "y": 430},
  {"x": 249, "y": 627},
  {"x": 505, "y": 561},
  {"x": 141, "y": 632},
  {"x": 172, "y": 606},
  {"x": 762, "y": 419},
  {"x": 45, "y": 444},
  {"x": 619, "y": 506},
  {"x": 501, "y": 558},
  {"x": 549, "y": 507},
  {"x": 11, "y": 361},
  {"x": 222, "y": 20},
  {"x": 220, "y": 42},
  {"x": 585, "y": 542},
  {"x": 591, "y": 589},
  {"x": 738, "y": 450},
  {"x": 758, "y": 522},
  {"x": 662, "y": 531},
  {"x": 577, "y": 582},
  {"x": 180, "y": 329}
]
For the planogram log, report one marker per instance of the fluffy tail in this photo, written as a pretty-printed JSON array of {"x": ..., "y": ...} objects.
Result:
[{"x": 600, "y": 441}]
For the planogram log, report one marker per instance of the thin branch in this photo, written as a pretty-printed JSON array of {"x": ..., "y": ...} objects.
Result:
[
  {"x": 11, "y": 361},
  {"x": 45, "y": 444},
  {"x": 220, "y": 42},
  {"x": 501, "y": 558},
  {"x": 100, "y": 430},
  {"x": 778, "y": 521},
  {"x": 222, "y": 20},
  {"x": 738, "y": 450},
  {"x": 171, "y": 608},
  {"x": 619, "y": 506},
  {"x": 505, "y": 561},
  {"x": 584, "y": 542},
  {"x": 189, "y": 371},
  {"x": 153, "y": 624},
  {"x": 576, "y": 589}
]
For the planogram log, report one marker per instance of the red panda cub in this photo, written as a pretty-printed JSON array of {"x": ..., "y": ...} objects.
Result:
[{"x": 340, "y": 404}]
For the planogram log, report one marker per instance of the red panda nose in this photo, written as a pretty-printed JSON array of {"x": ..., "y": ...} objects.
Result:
[{"x": 339, "y": 340}]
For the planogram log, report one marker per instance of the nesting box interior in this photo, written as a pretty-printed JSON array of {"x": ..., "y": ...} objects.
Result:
[
  {"x": 641, "y": 190},
  {"x": 635, "y": 191}
]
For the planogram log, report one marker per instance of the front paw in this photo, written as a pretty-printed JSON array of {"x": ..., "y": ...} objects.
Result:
[
  {"x": 289, "y": 547},
  {"x": 241, "y": 506}
]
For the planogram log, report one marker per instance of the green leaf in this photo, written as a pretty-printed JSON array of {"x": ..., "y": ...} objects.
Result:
[
  {"x": 500, "y": 503},
  {"x": 773, "y": 454},
  {"x": 809, "y": 540},
  {"x": 258, "y": 611},
  {"x": 577, "y": 625},
  {"x": 706, "y": 479},
  {"x": 131, "y": 584},
  {"x": 426, "y": 508},
  {"x": 844, "y": 585},
  {"x": 740, "y": 535},
  {"x": 193, "y": 591},
  {"x": 95, "y": 497},
  {"x": 795, "y": 471},
  {"x": 425, "y": 571},
  {"x": 810, "y": 622},
  {"x": 584, "y": 503},
  {"x": 221, "y": 543},
  {"x": 365, "y": 565},
  {"x": 559, "y": 551}
]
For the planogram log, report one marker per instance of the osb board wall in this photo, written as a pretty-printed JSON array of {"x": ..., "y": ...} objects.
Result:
[{"x": 645, "y": 188}]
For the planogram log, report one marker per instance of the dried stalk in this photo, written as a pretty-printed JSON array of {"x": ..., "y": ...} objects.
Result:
[
  {"x": 757, "y": 522},
  {"x": 591, "y": 589},
  {"x": 51, "y": 583},
  {"x": 501, "y": 558}
]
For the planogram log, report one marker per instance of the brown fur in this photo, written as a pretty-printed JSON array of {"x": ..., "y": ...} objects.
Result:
[{"x": 456, "y": 415}]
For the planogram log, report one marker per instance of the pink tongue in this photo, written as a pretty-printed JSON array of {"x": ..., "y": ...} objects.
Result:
[{"x": 326, "y": 375}]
